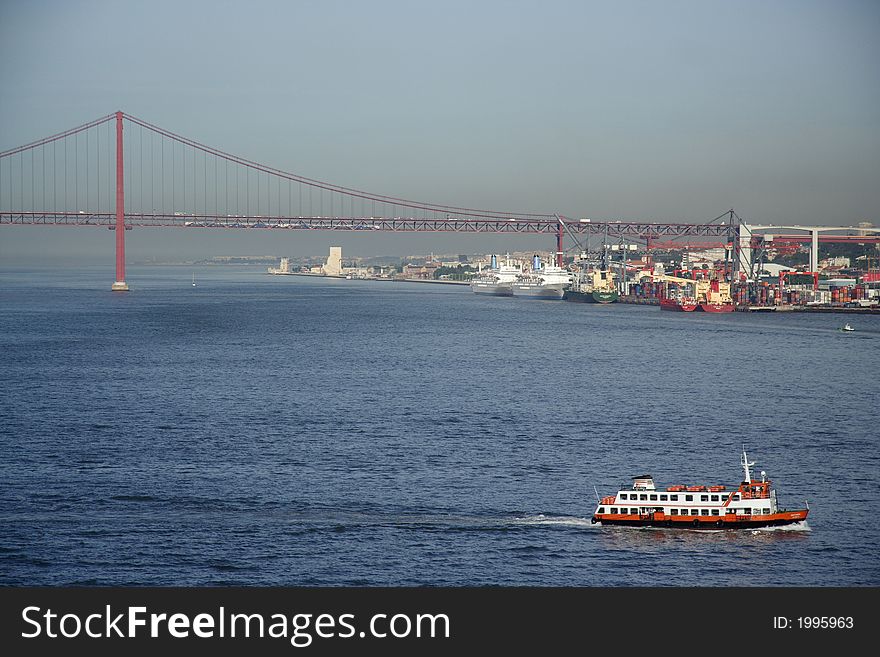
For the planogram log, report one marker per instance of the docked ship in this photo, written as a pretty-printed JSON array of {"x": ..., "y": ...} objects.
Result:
[
  {"x": 595, "y": 286},
  {"x": 680, "y": 294},
  {"x": 749, "y": 505},
  {"x": 498, "y": 280},
  {"x": 686, "y": 295},
  {"x": 543, "y": 282},
  {"x": 716, "y": 298},
  {"x": 678, "y": 302}
]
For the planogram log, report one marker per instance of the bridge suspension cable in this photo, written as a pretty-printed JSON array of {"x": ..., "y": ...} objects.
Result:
[{"x": 348, "y": 191}]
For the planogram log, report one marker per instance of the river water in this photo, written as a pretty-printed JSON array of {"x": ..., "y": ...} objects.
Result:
[{"x": 283, "y": 431}]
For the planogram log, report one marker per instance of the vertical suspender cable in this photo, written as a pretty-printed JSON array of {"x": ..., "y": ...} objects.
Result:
[
  {"x": 141, "y": 171},
  {"x": 152, "y": 174},
  {"x": 87, "y": 170},
  {"x": 98, "y": 170},
  {"x": 183, "y": 168}
]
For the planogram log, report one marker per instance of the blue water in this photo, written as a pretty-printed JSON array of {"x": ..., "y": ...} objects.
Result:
[{"x": 264, "y": 430}]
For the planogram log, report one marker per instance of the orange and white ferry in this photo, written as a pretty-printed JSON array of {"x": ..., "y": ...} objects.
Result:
[{"x": 749, "y": 505}]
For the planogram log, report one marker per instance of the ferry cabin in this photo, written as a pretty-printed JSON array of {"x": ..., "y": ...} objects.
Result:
[{"x": 752, "y": 504}]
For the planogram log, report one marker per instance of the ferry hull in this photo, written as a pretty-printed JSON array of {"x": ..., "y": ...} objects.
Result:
[
  {"x": 596, "y": 296},
  {"x": 687, "y": 522}
]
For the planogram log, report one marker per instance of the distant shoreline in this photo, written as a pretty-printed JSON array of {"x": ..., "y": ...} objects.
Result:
[{"x": 380, "y": 280}]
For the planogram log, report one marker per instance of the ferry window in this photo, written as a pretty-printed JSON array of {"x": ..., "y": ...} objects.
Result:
[
  {"x": 601, "y": 509},
  {"x": 643, "y": 496},
  {"x": 663, "y": 498},
  {"x": 714, "y": 512},
  {"x": 747, "y": 512},
  {"x": 673, "y": 512},
  {"x": 695, "y": 512},
  {"x": 715, "y": 498},
  {"x": 766, "y": 511},
  {"x": 613, "y": 510},
  {"x": 731, "y": 511},
  {"x": 736, "y": 496},
  {"x": 688, "y": 498},
  {"x": 704, "y": 512},
  {"x": 673, "y": 498},
  {"x": 653, "y": 497},
  {"x": 623, "y": 496},
  {"x": 634, "y": 511},
  {"x": 704, "y": 498}
]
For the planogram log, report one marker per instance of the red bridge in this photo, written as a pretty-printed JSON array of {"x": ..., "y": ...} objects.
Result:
[{"x": 87, "y": 176}]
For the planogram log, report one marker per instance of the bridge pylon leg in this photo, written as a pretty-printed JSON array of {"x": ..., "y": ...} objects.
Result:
[
  {"x": 559, "y": 252},
  {"x": 120, "y": 285}
]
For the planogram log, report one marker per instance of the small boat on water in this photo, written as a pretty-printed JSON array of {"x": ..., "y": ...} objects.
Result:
[
  {"x": 847, "y": 327},
  {"x": 749, "y": 505}
]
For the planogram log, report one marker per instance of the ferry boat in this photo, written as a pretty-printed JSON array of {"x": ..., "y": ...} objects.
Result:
[{"x": 749, "y": 505}]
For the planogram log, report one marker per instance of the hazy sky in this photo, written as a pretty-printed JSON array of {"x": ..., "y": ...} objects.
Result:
[{"x": 667, "y": 111}]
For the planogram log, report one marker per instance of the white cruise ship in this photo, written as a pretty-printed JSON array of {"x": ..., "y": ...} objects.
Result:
[
  {"x": 543, "y": 282},
  {"x": 498, "y": 280}
]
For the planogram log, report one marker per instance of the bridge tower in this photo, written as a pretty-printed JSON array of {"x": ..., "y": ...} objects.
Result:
[
  {"x": 120, "y": 285},
  {"x": 559, "y": 252}
]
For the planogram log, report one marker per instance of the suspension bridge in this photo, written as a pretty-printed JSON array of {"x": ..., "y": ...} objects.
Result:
[{"x": 121, "y": 172}]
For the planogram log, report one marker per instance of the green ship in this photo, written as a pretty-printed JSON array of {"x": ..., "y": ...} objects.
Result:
[{"x": 596, "y": 286}]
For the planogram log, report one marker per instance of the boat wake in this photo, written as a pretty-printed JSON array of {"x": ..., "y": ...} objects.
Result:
[
  {"x": 564, "y": 521},
  {"x": 795, "y": 527},
  {"x": 429, "y": 520}
]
